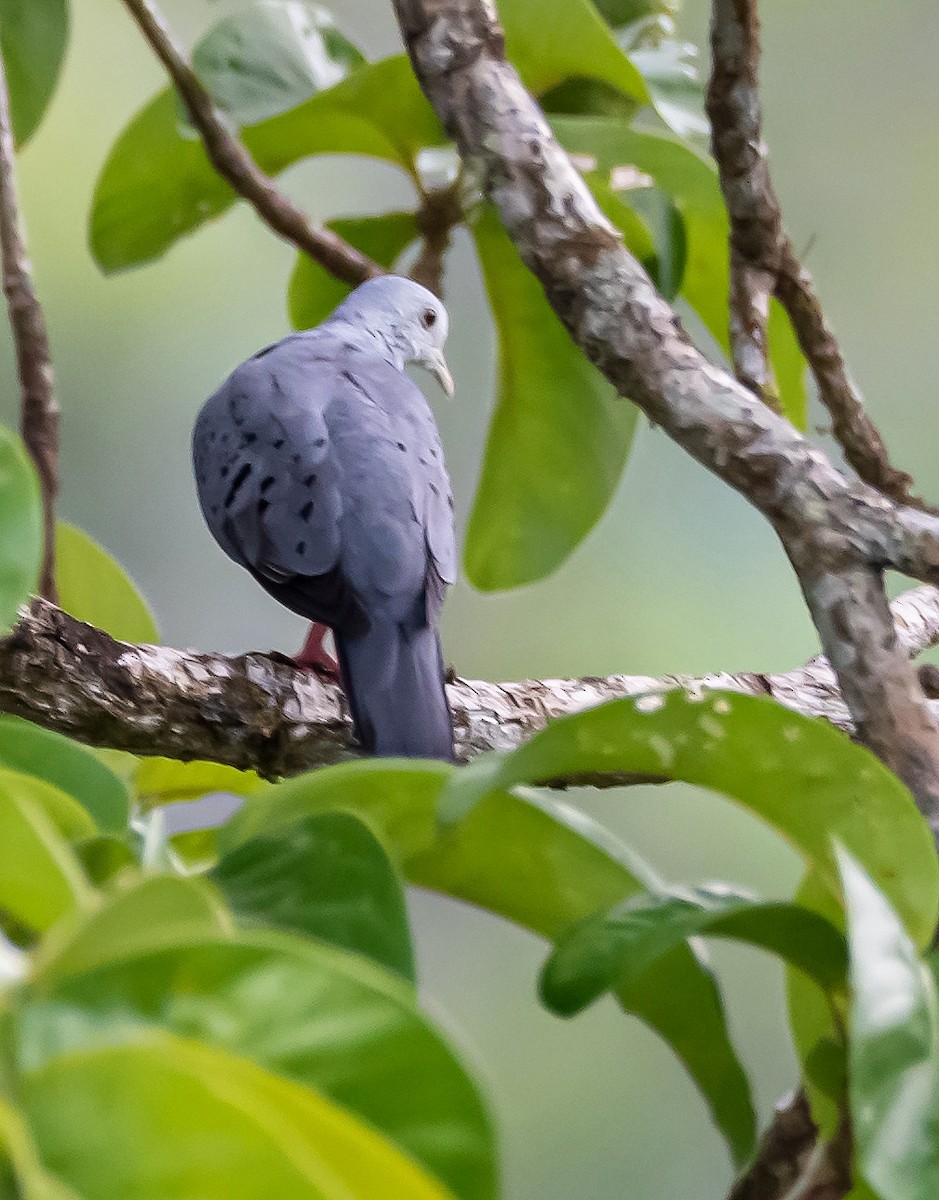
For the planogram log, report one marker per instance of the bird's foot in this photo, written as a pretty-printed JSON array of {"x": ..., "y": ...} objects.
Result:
[{"x": 315, "y": 657}]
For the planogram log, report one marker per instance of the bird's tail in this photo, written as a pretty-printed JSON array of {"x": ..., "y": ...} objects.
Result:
[{"x": 394, "y": 680}]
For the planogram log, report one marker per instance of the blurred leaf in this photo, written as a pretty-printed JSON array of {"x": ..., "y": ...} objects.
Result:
[
  {"x": 558, "y": 439},
  {"x": 147, "y": 914},
  {"x": 552, "y": 40},
  {"x": 105, "y": 857},
  {"x": 313, "y": 293},
  {"x": 624, "y": 12},
  {"x": 69, "y": 766},
  {"x": 170, "y": 1119},
  {"x": 321, "y": 1017},
  {"x": 40, "y": 879},
  {"x": 33, "y": 37},
  {"x": 537, "y": 862},
  {"x": 800, "y": 775},
  {"x": 20, "y": 529},
  {"x": 671, "y": 75},
  {"x": 613, "y": 947},
  {"x": 271, "y": 57},
  {"x": 93, "y": 587},
  {"x": 70, "y": 819},
  {"x": 328, "y": 877},
  {"x": 893, "y": 1047},
  {"x": 22, "y": 1175},
  {"x": 690, "y": 179},
  {"x": 195, "y": 849},
  {"x": 158, "y": 185},
  {"x": 789, "y": 366},
  {"x": 159, "y": 781}
]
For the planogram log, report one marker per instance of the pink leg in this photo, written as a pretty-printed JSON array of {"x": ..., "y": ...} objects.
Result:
[{"x": 315, "y": 657}]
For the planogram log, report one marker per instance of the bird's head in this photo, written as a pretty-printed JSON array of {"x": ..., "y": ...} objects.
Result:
[{"x": 406, "y": 317}]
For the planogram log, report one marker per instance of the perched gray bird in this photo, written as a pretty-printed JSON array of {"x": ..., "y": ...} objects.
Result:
[{"x": 319, "y": 469}]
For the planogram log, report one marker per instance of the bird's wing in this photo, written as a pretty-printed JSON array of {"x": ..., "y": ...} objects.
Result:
[{"x": 314, "y": 468}]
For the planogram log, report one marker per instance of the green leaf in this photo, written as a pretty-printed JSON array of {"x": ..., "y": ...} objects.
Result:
[
  {"x": 624, "y": 12},
  {"x": 148, "y": 913},
  {"x": 40, "y": 878},
  {"x": 558, "y": 439},
  {"x": 800, "y": 775},
  {"x": 20, "y": 529},
  {"x": 328, "y": 877},
  {"x": 33, "y": 37},
  {"x": 549, "y": 41},
  {"x": 93, "y": 587},
  {"x": 313, "y": 293},
  {"x": 70, "y": 819},
  {"x": 271, "y": 57},
  {"x": 159, "y": 781},
  {"x": 68, "y": 766},
  {"x": 321, "y": 1017},
  {"x": 104, "y": 857},
  {"x": 169, "y": 1119},
  {"x": 671, "y": 75},
  {"x": 613, "y": 947},
  {"x": 690, "y": 180},
  {"x": 22, "y": 1175},
  {"x": 789, "y": 366},
  {"x": 158, "y": 185},
  {"x": 894, "y": 1047},
  {"x": 534, "y": 861}
]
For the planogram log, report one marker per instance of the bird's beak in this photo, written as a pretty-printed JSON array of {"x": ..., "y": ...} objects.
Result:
[{"x": 437, "y": 365}]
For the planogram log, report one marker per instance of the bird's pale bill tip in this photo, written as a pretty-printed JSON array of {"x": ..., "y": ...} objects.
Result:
[{"x": 437, "y": 365}]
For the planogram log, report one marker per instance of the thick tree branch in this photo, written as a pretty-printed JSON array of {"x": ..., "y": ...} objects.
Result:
[
  {"x": 259, "y": 711},
  {"x": 763, "y": 260},
  {"x": 39, "y": 411},
  {"x": 837, "y": 533},
  {"x": 234, "y": 163}
]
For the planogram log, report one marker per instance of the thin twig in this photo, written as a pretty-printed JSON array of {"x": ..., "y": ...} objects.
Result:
[
  {"x": 234, "y": 163},
  {"x": 440, "y": 212},
  {"x": 763, "y": 260},
  {"x": 39, "y": 410}
]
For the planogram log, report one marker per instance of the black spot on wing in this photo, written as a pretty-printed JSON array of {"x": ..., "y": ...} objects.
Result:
[{"x": 236, "y": 484}]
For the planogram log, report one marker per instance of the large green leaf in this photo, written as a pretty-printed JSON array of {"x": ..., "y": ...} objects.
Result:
[
  {"x": 271, "y": 57},
  {"x": 33, "y": 37},
  {"x": 800, "y": 775},
  {"x": 313, "y": 293},
  {"x": 539, "y": 863},
  {"x": 559, "y": 436},
  {"x": 40, "y": 879},
  {"x": 147, "y": 913},
  {"x": 690, "y": 179},
  {"x": 893, "y": 1047},
  {"x": 318, "y": 1016},
  {"x": 616, "y": 946},
  {"x": 93, "y": 587},
  {"x": 68, "y": 766},
  {"x": 326, "y": 876},
  {"x": 20, "y": 529},
  {"x": 624, "y": 12},
  {"x": 553, "y": 40},
  {"x": 158, "y": 185},
  {"x": 70, "y": 819},
  {"x": 22, "y": 1175},
  {"x": 170, "y": 1119}
]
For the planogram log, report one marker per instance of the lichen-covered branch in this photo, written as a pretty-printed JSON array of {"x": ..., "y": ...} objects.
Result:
[
  {"x": 830, "y": 526},
  {"x": 39, "y": 410},
  {"x": 234, "y": 163},
  {"x": 763, "y": 260},
  {"x": 259, "y": 711}
]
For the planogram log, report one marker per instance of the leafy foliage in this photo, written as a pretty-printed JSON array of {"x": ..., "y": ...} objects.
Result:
[{"x": 33, "y": 37}]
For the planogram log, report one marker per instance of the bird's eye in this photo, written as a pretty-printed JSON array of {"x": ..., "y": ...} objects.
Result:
[{"x": 428, "y": 318}]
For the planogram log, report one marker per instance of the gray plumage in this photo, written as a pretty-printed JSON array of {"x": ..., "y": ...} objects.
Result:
[{"x": 319, "y": 469}]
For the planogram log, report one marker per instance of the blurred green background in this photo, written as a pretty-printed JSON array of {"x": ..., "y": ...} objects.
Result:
[{"x": 680, "y": 576}]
